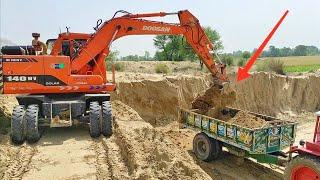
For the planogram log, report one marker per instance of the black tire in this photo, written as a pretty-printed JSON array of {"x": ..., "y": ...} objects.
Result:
[
  {"x": 94, "y": 117},
  {"x": 206, "y": 148},
  {"x": 302, "y": 160},
  {"x": 32, "y": 119},
  {"x": 18, "y": 125},
  {"x": 106, "y": 122}
]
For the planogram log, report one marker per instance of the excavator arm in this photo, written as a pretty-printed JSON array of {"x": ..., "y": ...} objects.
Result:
[{"x": 97, "y": 46}]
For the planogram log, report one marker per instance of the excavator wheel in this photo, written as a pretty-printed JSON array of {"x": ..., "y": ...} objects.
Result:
[
  {"x": 106, "y": 122},
  {"x": 32, "y": 119},
  {"x": 206, "y": 148},
  {"x": 303, "y": 167},
  {"x": 17, "y": 125},
  {"x": 94, "y": 117}
]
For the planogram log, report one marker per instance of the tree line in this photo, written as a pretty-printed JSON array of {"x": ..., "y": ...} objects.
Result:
[
  {"x": 175, "y": 48},
  {"x": 272, "y": 51}
]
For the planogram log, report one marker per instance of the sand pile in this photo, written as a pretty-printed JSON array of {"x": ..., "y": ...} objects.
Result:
[
  {"x": 244, "y": 119},
  {"x": 6, "y": 106},
  {"x": 7, "y": 103},
  {"x": 214, "y": 97},
  {"x": 149, "y": 153}
]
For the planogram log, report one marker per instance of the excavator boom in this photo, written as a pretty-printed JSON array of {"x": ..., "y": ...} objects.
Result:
[{"x": 132, "y": 24}]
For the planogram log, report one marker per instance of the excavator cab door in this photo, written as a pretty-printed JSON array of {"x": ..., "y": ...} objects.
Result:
[{"x": 65, "y": 48}]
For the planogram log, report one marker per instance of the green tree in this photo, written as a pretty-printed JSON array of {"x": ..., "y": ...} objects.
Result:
[
  {"x": 147, "y": 56},
  {"x": 285, "y": 51},
  {"x": 227, "y": 59},
  {"x": 160, "y": 42},
  {"x": 113, "y": 55},
  {"x": 300, "y": 50},
  {"x": 312, "y": 50},
  {"x": 176, "y": 48},
  {"x": 273, "y": 51},
  {"x": 246, "y": 55},
  {"x": 215, "y": 39}
]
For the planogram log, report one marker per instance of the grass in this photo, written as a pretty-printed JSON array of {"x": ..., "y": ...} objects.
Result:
[
  {"x": 118, "y": 66},
  {"x": 161, "y": 68},
  {"x": 294, "y": 64},
  {"x": 302, "y": 68},
  {"x": 272, "y": 65},
  {"x": 298, "y": 60}
]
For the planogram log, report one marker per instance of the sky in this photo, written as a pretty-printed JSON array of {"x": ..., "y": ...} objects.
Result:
[{"x": 242, "y": 24}]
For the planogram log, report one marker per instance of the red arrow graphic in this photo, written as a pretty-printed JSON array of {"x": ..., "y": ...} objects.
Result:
[{"x": 243, "y": 71}]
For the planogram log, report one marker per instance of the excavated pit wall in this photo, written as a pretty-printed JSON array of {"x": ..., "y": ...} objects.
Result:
[
  {"x": 271, "y": 94},
  {"x": 157, "y": 100}
]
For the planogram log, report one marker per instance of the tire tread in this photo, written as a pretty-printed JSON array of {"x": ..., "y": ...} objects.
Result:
[
  {"x": 106, "y": 123},
  {"x": 32, "y": 119},
  {"x": 94, "y": 118},
  {"x": 18, "y": 124}
]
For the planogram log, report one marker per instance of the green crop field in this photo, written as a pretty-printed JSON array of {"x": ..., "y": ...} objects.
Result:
[
  {"x": 297, "y": 63},
  {"x": 302, "y": 68},
  {"x": 297, "y": 60}
]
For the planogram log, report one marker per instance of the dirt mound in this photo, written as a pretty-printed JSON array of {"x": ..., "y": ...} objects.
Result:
[
  {"x": 214, "y": 97},
  {"x": 244, "y": 119},
  {"x": 149, "y": 153},
  {"x": 7, "y": 103}
]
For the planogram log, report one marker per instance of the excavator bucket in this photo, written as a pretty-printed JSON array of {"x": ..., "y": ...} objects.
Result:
[
  {"x": 219, "y": 94},
  {"x": 215, "y": 98}
]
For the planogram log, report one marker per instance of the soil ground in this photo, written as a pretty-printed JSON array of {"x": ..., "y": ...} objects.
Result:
[
  {"x": 135, "y": 151},
  {"x": 147, "y": 142}
]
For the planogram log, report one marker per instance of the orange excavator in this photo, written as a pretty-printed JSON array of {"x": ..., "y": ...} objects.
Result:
[{"x": 70, "y": 83}]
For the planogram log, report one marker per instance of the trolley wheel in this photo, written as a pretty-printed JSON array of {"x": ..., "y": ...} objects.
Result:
[
  {"x": 106, "y": 122},
  {"x": 303, "y": 167},
  {"x": 206, "y": 148},
  {"x": 32, "y": 119},
  {"x": 94, "y": 118},
  {"x": 18, "y": 124}
]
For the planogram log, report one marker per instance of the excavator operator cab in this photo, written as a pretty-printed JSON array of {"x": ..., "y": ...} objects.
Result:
[
  {"x": 67, "y": 47},
  {"x": 50, "y": 44}
]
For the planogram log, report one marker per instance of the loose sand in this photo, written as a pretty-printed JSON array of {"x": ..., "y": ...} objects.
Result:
[
  {"x": 147, "y": 143},
  {"x": 244, "y": 119}
]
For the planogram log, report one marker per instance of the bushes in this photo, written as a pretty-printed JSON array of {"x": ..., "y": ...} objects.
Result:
[
  {"x": 227, "y": 59},
  {"x": 162, "y": 68},
  {"x": 241, "y": 62},
  {"x": 273, "y": 65},
  {"x": 118, "y": 66}
]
